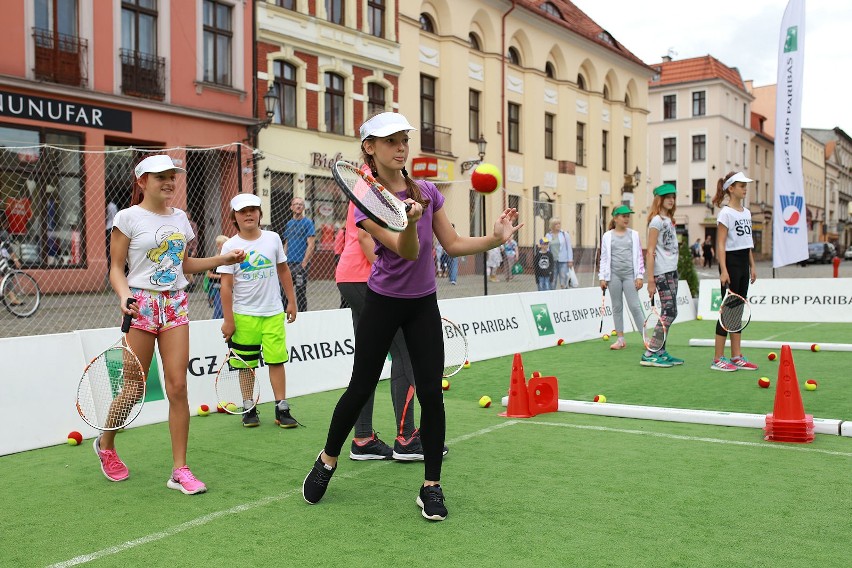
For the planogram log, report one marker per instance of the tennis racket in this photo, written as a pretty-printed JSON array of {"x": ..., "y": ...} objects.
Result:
[
  {"x": 112, "y": 390},
  {"x": 236, "y": 383},
  {"x": 371, "y": 197},
  {"x": 734, "y": 313},
  {"x": 654, "y": 330},
  {"x": 455, "y": 348},
  {"x": 603, "y": 308}
]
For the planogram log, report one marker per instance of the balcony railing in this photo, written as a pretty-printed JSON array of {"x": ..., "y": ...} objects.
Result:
[
  {"x": 60, "y": 58},
  {"x": 143, "y": 75},
  {"x": 435, "y": 139}
]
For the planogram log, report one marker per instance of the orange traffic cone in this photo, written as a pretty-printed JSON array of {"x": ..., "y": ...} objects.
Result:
[
  {"x": 519, "y": 405},
  {"x": 543, "y": 395},
  {"x": 788, "y": 421}
]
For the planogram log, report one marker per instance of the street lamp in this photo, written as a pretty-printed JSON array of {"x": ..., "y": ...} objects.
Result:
[
  {"x": 270, "y": 102},
  {"x": 481, "y": 143}
]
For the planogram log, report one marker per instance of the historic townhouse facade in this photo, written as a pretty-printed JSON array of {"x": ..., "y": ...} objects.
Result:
[{"x": 838, "y": 185}]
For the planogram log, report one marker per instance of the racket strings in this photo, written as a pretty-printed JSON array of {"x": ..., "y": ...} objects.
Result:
[
  {"x": 369, "y": 195},
  {"x": 236, "y": 383},
  {"x": 112, "y": 390},
  {"x": 455, "y": 349},
  {"x": 734, "y": 313}
]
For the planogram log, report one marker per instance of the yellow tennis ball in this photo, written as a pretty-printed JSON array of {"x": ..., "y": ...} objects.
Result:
[
  {"x": 467, "y": 364},
  {"x": 600, "y": 398},
  {"x": 699, "y": 316},
  {"x": 445, "y": 385},
  {"x": 606, "y": 337},
  {"x": 231, "y": 407},
  {"x": 815, "y": 347},
  {"x": 486, "y": 178},
  {"x": 485, "y": 401},
  {"x": 810, "y": 386},
  {"x": 203, "y": 410}
]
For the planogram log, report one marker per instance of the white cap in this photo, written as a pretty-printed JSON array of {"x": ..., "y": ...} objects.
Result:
[
  {"x": 243, "y": 200},
  {"x": 384, "y": 124},
  {"x": 156, "y": 164},
  {"x": 739, "y": 176}
]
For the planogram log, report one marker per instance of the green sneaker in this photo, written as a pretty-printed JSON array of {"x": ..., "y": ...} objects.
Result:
[
  {"x": 655, "y": 360},
  {"x": 673, "y": 360}
]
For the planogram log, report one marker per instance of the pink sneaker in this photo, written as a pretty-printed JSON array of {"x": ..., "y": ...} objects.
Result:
[
  {"x": 112, "y": 466},
  {"x": 743, "y": 364},
  {"x": 618, "y": 345},
  {"x": 183, "y": 480}
]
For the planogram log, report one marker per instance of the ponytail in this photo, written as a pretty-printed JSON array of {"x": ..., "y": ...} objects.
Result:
[
  {"x": 720, "y": 190},
  {"x": 410, "y": 185}
]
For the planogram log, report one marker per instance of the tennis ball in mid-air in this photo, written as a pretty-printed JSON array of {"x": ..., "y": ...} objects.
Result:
[
  {"x": 763, "y": 382},
  {"x": 699, "y": 316},
  {"x": 606, "y": 337},
  {"x": 231, "y": 407},
  {"x": 203, "y": 410},
  {"x": 560, "y": 341},
  {"x": 445, "y": 385},
  {"x": 467, "y": 364},
  {"x": 485, "y": 401},
  {"x": 772, "y": 356},
  {"x": 599, "y": 398},
  {"x": 815, "y": 347},
  {"x": 486, "y": 178},
  {"x": 74, "y": 438}
]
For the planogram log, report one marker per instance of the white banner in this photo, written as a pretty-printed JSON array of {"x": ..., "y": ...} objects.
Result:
[
  {"x": 789, "y": 228},
  {"x": 786, "y": 299}
]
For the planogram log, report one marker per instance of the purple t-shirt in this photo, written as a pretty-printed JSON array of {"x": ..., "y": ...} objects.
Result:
[{"x": 397, "y": 277}]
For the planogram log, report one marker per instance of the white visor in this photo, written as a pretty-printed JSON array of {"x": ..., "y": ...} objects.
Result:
[{"x": 739, "y": 176}]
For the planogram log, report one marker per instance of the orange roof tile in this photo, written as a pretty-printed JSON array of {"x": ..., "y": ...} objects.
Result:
[{"x": 696, "y": 69}]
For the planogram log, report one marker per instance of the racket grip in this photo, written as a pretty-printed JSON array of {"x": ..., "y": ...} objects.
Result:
[
  {"x": 125, "y": 323},
  {"x": 407, "y": 207}
]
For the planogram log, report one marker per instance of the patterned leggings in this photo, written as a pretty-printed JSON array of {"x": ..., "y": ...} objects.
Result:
[{"x": 667, "y": 289}]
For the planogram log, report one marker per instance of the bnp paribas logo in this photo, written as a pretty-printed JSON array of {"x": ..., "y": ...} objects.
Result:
[
  {"x": 792, "y": 41},
  {"x": 541, "y": 315},
  {"x": 715, "y": 299}
]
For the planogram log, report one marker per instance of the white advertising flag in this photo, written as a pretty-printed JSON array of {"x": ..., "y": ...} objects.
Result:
[{"x": 789, "y": 228}]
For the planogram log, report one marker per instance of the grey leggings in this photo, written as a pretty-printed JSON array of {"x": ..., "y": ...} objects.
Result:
[{"x": 619, "y": 285}]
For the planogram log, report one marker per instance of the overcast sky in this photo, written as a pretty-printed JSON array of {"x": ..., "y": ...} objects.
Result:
[{"x": 743, "y": 34}]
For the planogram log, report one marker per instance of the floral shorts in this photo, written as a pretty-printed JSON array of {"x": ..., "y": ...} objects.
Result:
[{"x": 160, "y": 311}]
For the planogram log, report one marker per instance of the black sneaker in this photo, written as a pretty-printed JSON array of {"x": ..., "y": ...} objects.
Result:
[
  {"x": 283, "y": 417},
  {"x": 431, "y": 503},
  {"x": 251, "y": 419},
  {"x": 372, "y": 449},
  {"x": 411, "y": 449},
  {"x": 317, "y": 480}
]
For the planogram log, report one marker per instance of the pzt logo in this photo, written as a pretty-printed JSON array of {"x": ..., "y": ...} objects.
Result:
[{"x": 791, "y": 211}]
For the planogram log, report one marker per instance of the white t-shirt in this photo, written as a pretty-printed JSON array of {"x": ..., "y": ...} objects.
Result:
[
  {"x": 256, "y": 289},
  {"x": 157, "y": 247},
  {"x": 665, "y": 255},
  {"x": 739, "y": 228}
]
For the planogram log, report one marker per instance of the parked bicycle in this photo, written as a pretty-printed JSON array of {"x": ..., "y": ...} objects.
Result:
[{"x": 19, "y": 291}]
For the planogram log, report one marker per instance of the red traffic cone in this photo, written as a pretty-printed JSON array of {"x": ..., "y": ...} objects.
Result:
[
  {"x": 519, "y": 405},
  {"x": 543, "y": 395},
  {"x": 788, "y": 421}
]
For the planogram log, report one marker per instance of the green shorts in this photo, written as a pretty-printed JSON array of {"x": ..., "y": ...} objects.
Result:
[{"x": 264, "y": 332}]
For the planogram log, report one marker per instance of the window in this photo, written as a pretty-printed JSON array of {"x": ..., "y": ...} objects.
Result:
[
  {"x": 626, "y": 155},
  {"x": 334, "y": 95},
  {"x": 669, "y": 107},
  {"x": 581, "y": 144},
  {"x": 605, "y": 151},
  {"x": 549, "y": 121},
  {"x": 669, "y": 150},
  {"x": 757, "y": 154},
  {"x": 549, "y": 8},
  {"x": 745, "y": 153},
  {"x": 285, "y": 87},
  {"x": 376, "y": 17},
  {"x": 427, "y": 113},
  {"x": 218, "y": 35},
  {"x": 513, "y": 56},
  {"x": 766, "y": 157},
  {"x": 474, "y": 42},
  {"x": 426, "y": 23},
  {"x": 699, "y": 148},
  {"x": 549, "y": 70},
  {"x": 626, "y": 100},
  {"x": 334, "y": 11},
  {"x": 142, "y": 72},
  {"x": 699, "y": 191},
  {"x": 288, "y": 4},
  {"x": 606, "y": 93},
  {"x": 473, "y": 126},
  {"x": 375, "y": 99},
  {"x": 139, "y": 26},
  {"x": 514, "y": 120},
  {"x": 60, "y": 55},
  {"x": 699, "y": 103},
  {"x": 581, "y": 82}
]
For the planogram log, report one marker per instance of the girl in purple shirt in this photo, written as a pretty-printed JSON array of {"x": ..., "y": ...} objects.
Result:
[{"x": 402, "y": 295}]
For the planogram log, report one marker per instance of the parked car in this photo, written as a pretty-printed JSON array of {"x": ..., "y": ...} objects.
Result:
[
  {"x": 848, "y": 254},
  {"x": 820, "y": 253}
]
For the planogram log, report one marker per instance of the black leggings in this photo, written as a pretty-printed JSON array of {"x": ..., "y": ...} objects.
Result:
[
  {"x": 420, "y": 321},
  {"x": 736, "y": 261}
]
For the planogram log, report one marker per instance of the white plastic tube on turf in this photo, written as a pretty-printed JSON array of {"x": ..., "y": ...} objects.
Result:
[{"x": 775, "y": 344}]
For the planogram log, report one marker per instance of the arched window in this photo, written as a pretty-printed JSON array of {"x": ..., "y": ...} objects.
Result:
[
  {"x": 474, "y": 42},
  {"x": 549, "y": 70},
  {"x": 626, "y": 99},
  {"x": 426, "y": 23},
  {"x": 549, "y": 8},
  {"x": 375, "y": 99},
  {"x": 286, "y": 88},
  {"x": 581, "y": 82},
  {"x": 334, "y": 97},
  {"x": 606, "y": 92},
  {"x": 513, "y": 56}
]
